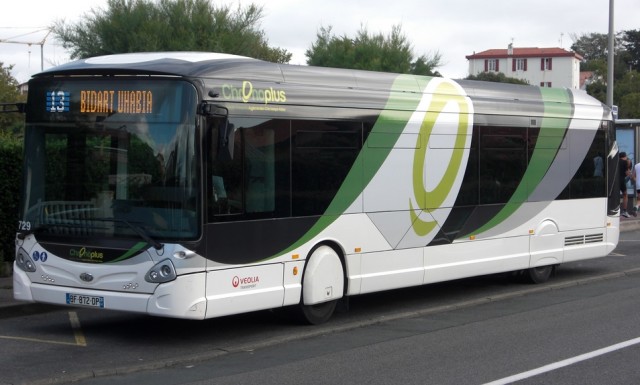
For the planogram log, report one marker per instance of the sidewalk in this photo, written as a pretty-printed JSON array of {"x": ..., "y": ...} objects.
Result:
[
  {"x": 9, "y": 305},
  {"x": 629, "y": 224}
]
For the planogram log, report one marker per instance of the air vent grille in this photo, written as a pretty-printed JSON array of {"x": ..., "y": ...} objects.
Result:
[
  {"x": 573, "y": 241},
  {"x": 594, "y": 238},
  {"x": 583, "y": 239}
]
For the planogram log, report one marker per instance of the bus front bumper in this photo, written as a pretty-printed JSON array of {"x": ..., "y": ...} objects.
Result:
[{"x": 181, "y": 298}]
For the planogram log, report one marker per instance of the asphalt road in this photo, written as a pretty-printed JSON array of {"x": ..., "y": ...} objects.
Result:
[{"x": 582, "y": 327}]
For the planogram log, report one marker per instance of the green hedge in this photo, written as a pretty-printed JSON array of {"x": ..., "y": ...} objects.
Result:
[{"x": 10, "y": 182}]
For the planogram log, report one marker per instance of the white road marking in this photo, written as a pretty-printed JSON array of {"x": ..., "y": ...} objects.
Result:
[{"x": 563, "y": 363}]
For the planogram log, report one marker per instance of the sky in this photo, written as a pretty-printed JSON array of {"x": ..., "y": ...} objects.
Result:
[{"x": 452, "y": 28}]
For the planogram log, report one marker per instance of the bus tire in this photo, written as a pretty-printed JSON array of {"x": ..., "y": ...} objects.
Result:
[
  {"x": 538, "y": 274},
  {"x": 317, "y": 314},
  {"x": 322, "y": 286}
]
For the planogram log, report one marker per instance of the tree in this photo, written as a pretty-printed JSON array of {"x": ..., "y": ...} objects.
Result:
[
  {"x": 629, "y": 106},
  {"x": 168, "y": 25},
  {"x": 9, "y": 93},
  {"x": 373, "y": 52},
  {"x": 498, "y": 77},
  {"x": 592, "y": 46},
  {"x": 10, "y": 162},
  {"x": 626, "y": 94},
  {"x": 631, "y": 43},
  {"x": 598, "y": 90}
]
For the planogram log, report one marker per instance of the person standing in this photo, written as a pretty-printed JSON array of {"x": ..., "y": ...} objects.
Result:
[
  {"x": 624, "y": 172},
  {"x": 636, "y": 181},
  {"x": 598, "y": 165}
]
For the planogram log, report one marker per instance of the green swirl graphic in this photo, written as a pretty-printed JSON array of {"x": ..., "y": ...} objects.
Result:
[
  {"x": 428, "y": 201},
  {"x": 558, "y": 110}
]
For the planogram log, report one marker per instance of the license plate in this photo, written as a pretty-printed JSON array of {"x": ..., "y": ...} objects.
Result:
[{"x": 85, "y": 300}]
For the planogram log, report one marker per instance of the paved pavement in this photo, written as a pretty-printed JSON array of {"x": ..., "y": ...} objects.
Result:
[
  {"x": 6, "y": 294},
  {"x": 9, "y": 306}
]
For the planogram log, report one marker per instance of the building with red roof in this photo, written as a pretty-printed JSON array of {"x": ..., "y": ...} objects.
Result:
[{"x": 545, "y": 67}]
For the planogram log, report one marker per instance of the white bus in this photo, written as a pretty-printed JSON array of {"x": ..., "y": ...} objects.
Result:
[{"x": 197, "y": 185}]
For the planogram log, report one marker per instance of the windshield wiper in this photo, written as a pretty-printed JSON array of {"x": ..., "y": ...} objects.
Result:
[{"x": 137, "y": 229}]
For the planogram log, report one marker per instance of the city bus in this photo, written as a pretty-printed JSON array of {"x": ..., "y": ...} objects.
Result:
[{"x": 199, "y": 185}]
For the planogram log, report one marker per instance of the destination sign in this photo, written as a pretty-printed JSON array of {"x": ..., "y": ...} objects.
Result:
[
  {"x": 119, "y": 101},
  {"x": 107, "y": 101}
]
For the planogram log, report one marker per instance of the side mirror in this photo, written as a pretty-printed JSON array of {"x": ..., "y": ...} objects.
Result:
[{"x": 225, "y": 129}]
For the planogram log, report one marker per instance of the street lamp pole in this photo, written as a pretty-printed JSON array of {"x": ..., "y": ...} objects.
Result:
[{"x": 610, "y": 63}]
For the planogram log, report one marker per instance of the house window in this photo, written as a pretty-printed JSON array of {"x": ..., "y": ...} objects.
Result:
[
  {"x": 545, "y": 84},
  {"x": 492, "y": 65},
  {"x": 519, "y": 65},
  {"x": 545, "y": 64}
]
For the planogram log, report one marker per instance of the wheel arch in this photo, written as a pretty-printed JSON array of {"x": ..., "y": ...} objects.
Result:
[{"x": 340, "y": 253}]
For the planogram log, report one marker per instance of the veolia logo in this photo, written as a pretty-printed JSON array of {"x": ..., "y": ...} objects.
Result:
[
  {"x": 445, "y": 95},
  {"x": 243, "y": 281}
]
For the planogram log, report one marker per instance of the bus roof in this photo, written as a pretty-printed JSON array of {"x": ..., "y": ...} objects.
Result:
[{"x": 233, "y": 67}]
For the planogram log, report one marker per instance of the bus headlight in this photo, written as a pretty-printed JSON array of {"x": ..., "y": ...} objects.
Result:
[
  {"x": 24, "y": 261},
  {"x": 161, "y": 272}
]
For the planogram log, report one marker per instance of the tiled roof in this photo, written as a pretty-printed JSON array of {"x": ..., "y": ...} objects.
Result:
[
  {"x": 585, "y": 77},
  {"x": 524, "y": 52}
]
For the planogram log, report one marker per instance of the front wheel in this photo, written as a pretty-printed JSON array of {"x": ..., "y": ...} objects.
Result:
[
  {"x": 316, "y": 314},
  {"x": 322, "y": 285},
  {"x": 538, "y": 274}
]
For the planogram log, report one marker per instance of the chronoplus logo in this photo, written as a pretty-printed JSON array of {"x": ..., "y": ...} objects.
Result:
[{"x": 247, "y": 93}]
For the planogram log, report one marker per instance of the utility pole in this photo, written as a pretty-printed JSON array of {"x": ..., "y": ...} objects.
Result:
[
  {"x": 610, "y": 62},
  {"x": 30, "y": 43}
]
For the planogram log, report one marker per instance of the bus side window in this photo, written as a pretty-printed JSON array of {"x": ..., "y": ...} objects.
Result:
[{"x": 224, "y": 172}]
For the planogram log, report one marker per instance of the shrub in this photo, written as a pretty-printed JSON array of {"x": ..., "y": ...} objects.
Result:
[{"x": 10, "y": 182}]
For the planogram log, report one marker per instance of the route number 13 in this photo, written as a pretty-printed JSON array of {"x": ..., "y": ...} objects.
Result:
[{"x": 57, "y": 101}]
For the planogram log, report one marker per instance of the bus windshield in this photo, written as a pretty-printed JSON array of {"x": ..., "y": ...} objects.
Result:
[{"x": 112, "y": 158}]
